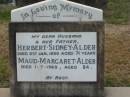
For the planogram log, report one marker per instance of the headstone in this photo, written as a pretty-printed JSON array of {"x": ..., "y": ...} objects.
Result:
[{"x": 57, "y": 49}]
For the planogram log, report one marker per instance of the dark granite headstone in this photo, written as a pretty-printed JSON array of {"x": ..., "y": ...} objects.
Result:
[{"x": 57, "y": 50}]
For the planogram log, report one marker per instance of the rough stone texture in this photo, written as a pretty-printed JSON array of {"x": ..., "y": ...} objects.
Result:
[{"x": 57, "y": 89}]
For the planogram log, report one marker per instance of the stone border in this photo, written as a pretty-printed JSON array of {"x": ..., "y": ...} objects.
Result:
[{"x": 70, "y": 89}]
